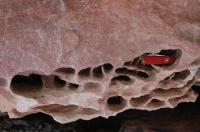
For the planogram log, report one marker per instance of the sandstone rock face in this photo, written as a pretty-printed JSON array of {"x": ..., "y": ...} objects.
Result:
[{"x": 80, "y": 59}]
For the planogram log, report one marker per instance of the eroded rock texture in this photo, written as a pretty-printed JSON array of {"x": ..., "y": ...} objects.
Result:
[{"x": 80, "y": 59}]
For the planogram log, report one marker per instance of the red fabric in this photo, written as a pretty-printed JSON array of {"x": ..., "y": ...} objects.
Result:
[{"x": 159, "y": 60}]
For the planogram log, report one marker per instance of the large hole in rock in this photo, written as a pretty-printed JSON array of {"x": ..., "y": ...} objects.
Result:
[
  {"x": 59, "y": 83},
  {"x": 121, "y": 79},
  {"x": 20, "y": 83},
  {"x": 116, "y": 103}
]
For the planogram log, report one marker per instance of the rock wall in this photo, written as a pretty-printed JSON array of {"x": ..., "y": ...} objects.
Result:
[{"x": 80, "y": 59}]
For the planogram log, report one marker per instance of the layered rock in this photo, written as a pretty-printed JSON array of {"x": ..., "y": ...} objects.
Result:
[{"x": 76, "y": 59}]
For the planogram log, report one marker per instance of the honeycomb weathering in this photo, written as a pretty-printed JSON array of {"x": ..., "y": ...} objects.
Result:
[{"x": 76, "y": 59}]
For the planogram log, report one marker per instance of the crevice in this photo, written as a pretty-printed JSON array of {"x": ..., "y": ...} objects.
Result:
[
  {"x": 121, "y": 79},
  {"x": 20, "y": 83},
  {"x": 59, "y": 83},
  {"x": 116, "y": 103},
  {"x": 136, "y": 102}
]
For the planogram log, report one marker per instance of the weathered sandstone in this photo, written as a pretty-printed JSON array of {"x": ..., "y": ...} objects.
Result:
[{"x": 79, "y": 59}]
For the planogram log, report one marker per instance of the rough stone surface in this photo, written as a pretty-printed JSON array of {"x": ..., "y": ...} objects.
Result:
[{"x": 80, "y": 59}]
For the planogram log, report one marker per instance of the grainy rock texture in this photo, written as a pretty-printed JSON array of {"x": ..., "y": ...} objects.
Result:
[{"x": 80, "y": 59}]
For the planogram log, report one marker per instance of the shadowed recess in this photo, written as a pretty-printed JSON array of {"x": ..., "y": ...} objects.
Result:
[
  {"x": 97, "y": 72},
  {"x": 125, "y": 71},
  {"x": 142, "y": 74},
  {"x": 107, "y": 67},
  {"x": 26, "y": 83},
  {"x": 181, "y": 75},
  {"x": 84, "y": 72},
  {"x": 121, "y": 79}
]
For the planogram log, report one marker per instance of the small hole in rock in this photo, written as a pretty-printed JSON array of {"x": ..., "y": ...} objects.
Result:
[
  {"x": 142, "y": 74},
  {"x": 116, "y": 103},
  {"x": 97, "y": 72},
  {"x": 107, "y": 67},
  {"x": 66, "y": 70},
  {"x": 122, "y": 79},
  {"x": 73, "y": 86},
  {"x": 59, "y": 83},
  {"x": 20, "y": 83},
  {"x": 84, "y": 72},
  {"x": 181, "y": 75}
]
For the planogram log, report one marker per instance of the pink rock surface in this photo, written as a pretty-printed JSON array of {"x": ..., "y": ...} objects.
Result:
[{"x": 77, "y": 59}]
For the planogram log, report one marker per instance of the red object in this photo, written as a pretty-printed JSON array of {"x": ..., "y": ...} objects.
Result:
[{"x": 159, "y": 60}]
